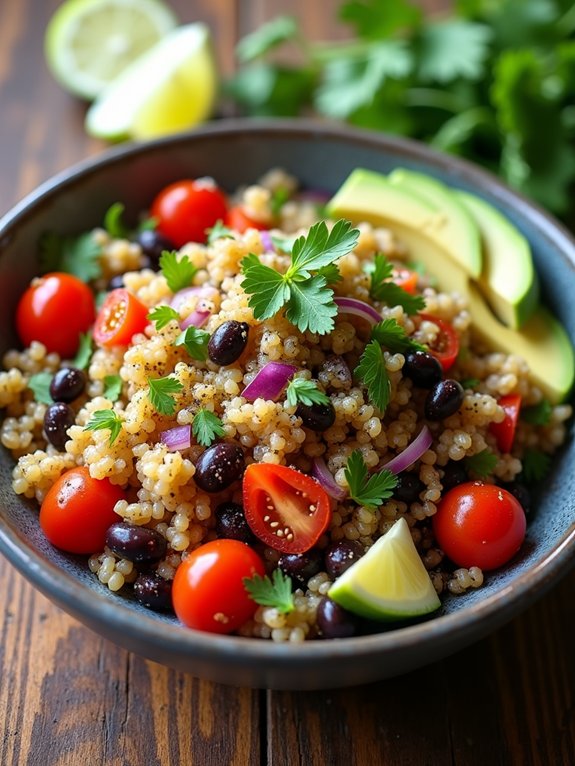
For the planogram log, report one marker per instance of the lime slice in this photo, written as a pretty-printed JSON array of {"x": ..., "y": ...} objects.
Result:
[
  {"x": 170, "y": 88},
  {"x": 90, "y": 42},
  {"x": 390, "y": 582}
]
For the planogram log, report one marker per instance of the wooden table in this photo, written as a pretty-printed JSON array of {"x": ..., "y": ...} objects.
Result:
[{"x": 70, "y": 697}]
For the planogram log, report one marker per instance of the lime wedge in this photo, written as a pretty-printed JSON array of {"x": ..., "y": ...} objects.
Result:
[
  {"x": 390, "y": 582},
  {"x": 90, "y": 42},
  {"x": 170, "y": 88}
]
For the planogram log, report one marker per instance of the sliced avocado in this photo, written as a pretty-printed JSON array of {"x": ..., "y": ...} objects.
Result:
[
  {"x": 460, "y": 233},
  {"x": 508, "y": 280}
]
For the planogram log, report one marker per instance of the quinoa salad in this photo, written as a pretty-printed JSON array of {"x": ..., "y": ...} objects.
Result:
[{"x": 292, "y": 420}]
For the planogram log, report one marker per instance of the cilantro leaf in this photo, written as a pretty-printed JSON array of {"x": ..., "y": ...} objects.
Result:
[
  {"x": 275, "y": 591},
  {"x": 376, "y": 20},
  {"x": 39, "y": 384},
  {"x": 372, "y": 371},
  {"x": 384, "y": 290},
  {"x": 79, "y": 256},
  {"x": 113, "y": 222},
  {"x": 102, "y": 419},
  {"x": 330, "y": 273},
  {"x": 364, "y": 489},
  {"x": 321, "y": 247},
  {"x": 178, "y": 270},
  {"x": 84, "y": 352},
  {"x": 536, "y": 465},
  {"x": 301, "y": 391},
  {"x": 219, "y": 231},
  {"x": 311, "y": 306},
  {"x": 207, "y": 427},
  {"x": 195, "y": 341},
  {"x": 266, "y": 38},
  {"x": 538, "y": 414},
  {"x": 470, "y": 382},
  {"x": 162, "y": 316},
  {"x": 147, "y": 224},
  {"x": 266, "y": 288},
  {"x": 453, "y": 48},
  {"x": 481, "y": 464},
  {"x": 278, "y": 199},
  {"x": 392, "y": 335},
  {"x": 112, "y": 387},
  {"x": 161, "y": 393}
]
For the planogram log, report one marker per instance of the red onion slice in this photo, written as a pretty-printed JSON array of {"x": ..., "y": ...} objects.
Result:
[
  {"x": 201, "y": 291},
  {"x": 358, "y": 308},
  {"x": 196, "y": 318},
  {"x": 321, "y": 472},
  {"x": 267, "y": 241},
  {"x": 177, "y": 438},
  {"x": 411, "y": 453},
  {"x": 269, "y": 382}
]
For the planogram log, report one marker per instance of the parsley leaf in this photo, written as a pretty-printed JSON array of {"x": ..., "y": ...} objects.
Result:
[
  {"x": 481, "y": 464},
  {"x": 371, "y": 369},
  {"x": 311, "y": 306},
  {"x": 368, "y": 490},
  {"x": 301, "y": 391},
  {"x": 112, "y": 387},
  {"x": 536, "y": 465},
  {"x": 79, "y": 256},
  {"x": 266, "y": 287},
  {"x": 195, "y": 341},
  {"x": 275, "y": 591},
  {"x": 102, "y": 419},
  {"x": 321, "y": 247},
  {"x": 179, "y": 271},
  {"x": 84, "y": 352},
  {"x": 113, "y": 222},
  {"x": 383, "y": 289},
  {"x": 161, "y": 393},
  {"x": 392, "y": 335},
  {"x": 207, "y": 427},
  {"x": 219, "y": 231},
  {"x": 39, "y": 384},
  {"x": 162, "y": 316},
  {"x": 330, "y": 273},
  {"x": 538, "y": 414}
]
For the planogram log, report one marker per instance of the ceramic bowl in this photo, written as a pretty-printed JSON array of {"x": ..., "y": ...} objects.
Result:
[{"x": 234, "y": 153}]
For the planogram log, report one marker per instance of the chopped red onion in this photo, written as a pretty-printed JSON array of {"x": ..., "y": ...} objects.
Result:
[
  {"x": 269, "y": 382},
  {"x": 267, "y": 241},
  {"x": 177, "y": 438},
  {"x": 411, "y": 453},
  {"x": 196, "y": 318},
  {"x": 358, "y": 308},
  {"x": 201, "y": 291},
  {"x": 321, "y": 472}
]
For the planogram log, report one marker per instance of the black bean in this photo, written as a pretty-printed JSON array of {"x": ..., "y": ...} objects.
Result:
[
  {"x": 301, "y": 566},
  {"x": 444, "y": 399},
  {"x": 227, "y": 342},
  {"x": 231, "y": 523},
  {"x": 422, "y": 368},
  {"x": 316, "y": 417},
  {"x": 408, "y": 488},
  {"x": 57, "y": 420},
  {"x": 154, "y": 592},
  {"x": 137, "y": 544},
  {"x": 67, "y": 384},
  {"x": 340, "y": 555},
  {"x": 454, "y": 473},
  {"x": 153, "y": 245},
  {"x": 334, "y": 621},
  {"x": 219, "y": 466}
]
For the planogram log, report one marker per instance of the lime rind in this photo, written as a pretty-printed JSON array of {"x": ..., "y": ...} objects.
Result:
[{"x": 389, "y": 582}]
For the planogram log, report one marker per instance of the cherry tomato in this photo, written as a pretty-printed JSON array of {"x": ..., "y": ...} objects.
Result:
[
  {"x": 480, "y": 525},
  {"x": 446, "y": 346},
  {"x": 238, "y": 220},
  {"x": 285, "y": 509},
  {"x": 406, "y": 279},
  {"x": 120, "y": 318},
  {"x": 54, "y": 310},
  {"x": 185, "y": 209},
  {"x": 77, "y": 511},
  {"x": 504, "y": 431},
  {"x": 208, "y": 592}
]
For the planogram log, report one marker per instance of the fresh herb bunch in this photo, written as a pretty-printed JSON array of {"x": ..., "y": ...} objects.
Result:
[{"x": 491, "y": 81}]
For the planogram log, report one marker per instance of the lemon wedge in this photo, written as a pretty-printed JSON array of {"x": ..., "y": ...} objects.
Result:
[
  {"x": 170, "y": 88},
  {"x": 389, "y": 582},
  {"x": 89, "y": 43}
]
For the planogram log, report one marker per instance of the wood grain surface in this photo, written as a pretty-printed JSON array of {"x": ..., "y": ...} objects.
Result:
[{"x": 68, "y": 697}]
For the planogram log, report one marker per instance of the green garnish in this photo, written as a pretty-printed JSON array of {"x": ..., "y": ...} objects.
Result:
[
  {"x": 219, "y": 231},
  {"x": 207, "y": 427},
  {"x": 39, "y": 384},
  {"x": 283, "y": 244},
  {"x": 301, "y": 391},
  {"x": 102, "y": 419},
  {"x": 372, "y": 371},
  {"x": 278, "y": 199},
  {"x": 275, "y": 591},
  {"x": 162, "y": 316},
  {"x": 147, "y": 224},
  {"x": 179, "y": 271},
  {"x": 113, "y": 222},
  {"x": 392, "y": 335},
  {"x": 470, "y": 382},
  {"x": 383, "y": 289},
  {"x": 195, "y": 341},
  {"x": 84, "y": 352},
  {"x": 536, "y": 465},
  {"x": 308, "y": 300},
  {"x": 539, "y": 414},
  {"x": 79, "y": 256},
  {"x": 481, "y": 464},
  {"x": 161, "y": 393},
  {"x": 368, "y": 490},
  {"x": 330, "y": 273},
  {"x": 112, "y": 387}
]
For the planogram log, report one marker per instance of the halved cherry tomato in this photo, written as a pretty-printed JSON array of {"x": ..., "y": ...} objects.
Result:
[
  {"x": 78, "y": 510},
  {"x": 446, "y": 346},
  {"x": 239, "y": 220},
  {"x": 208, "y": 592},
  {"x": 504, "y": 431},
  {"x": 285, "y": 509},
  {"x": 120, "y": 318},
  {"x": 185, "y": 209},
  {"x": 405, "y": 278},
  {"x": 479, "y": 525},
  {"x": 54, "y": 310}
]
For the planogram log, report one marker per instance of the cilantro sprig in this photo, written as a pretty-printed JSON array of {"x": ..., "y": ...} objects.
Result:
[
  {"x": 39, "y": 384},
  {"x": 366, "y": 490},
  {"x": 301, "y": 290},
  {"x": 536, "y": 465},
  {"x": 207, "y": 427},
  {"x": 274, "y": 591},
  {"x": 112, "y": 387},
  {"x": 301, "y": 391},
  {"x": 392, "y": 335},
  {"x": 372, "y": 371},
  {"x": 538, "y": 414},
  {"x": 84, "y": 352},
  {"x": 162, "y": 316},
  {"x": 178, "y": 270},
  {"x": 382, "y": 287},
  {"x": 482, "y": 464},
  {"x": 219, "y": 231},
  {"x": 195, "y": 342},
  {"x": 105, "y": 419},
  {"x": 161, "y": 393},
  {"x": 79, "y": 256}
]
